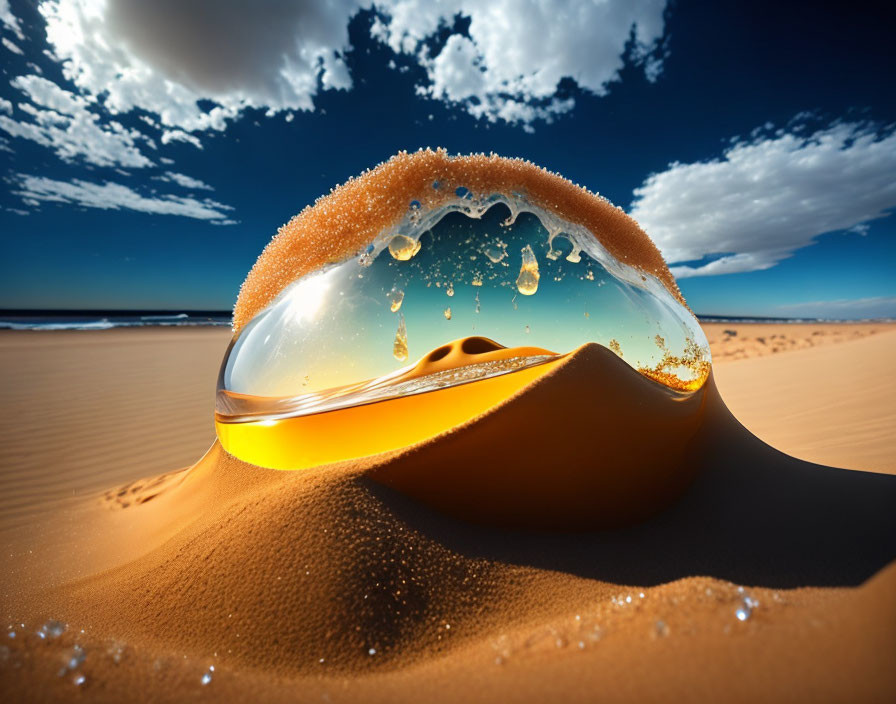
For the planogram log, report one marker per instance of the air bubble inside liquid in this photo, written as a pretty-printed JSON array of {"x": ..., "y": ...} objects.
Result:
[{"x": 366, "y": 330}]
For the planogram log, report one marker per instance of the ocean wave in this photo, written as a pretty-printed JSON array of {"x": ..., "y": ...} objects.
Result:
[{"x": 181, "y": 320}]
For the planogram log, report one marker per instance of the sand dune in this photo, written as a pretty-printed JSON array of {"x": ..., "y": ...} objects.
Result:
[
  {"x": 325, "y": 582},
  {"x": 591, "y": 445},
  {"x": 831, "y": 404},
  {"x": 472, "y": 613}
]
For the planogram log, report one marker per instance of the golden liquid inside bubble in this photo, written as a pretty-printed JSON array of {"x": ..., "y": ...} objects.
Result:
[
  {"x": 396, "y": 298},
  {"x": 304, "y": 441},
  {"x": 403, "y": 248},
  {"x": 527, "y": 281},
  {"x": 448, "y": 313},
  {"x": 400, "y": 346}
]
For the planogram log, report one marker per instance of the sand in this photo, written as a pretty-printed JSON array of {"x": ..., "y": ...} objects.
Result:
[
  {"x": 88, "y": 410},
  {"x": 834, "y": 403},
  {"x": 730, "y": 341},
  {"x": 328, "y": 585}
]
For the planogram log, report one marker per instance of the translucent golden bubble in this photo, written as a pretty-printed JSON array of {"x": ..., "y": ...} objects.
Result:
[{"x": 345, "y": 308}]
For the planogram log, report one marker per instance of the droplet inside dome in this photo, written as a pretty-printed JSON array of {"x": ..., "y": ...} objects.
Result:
[
  {"x": 527, "y": 281},
  {"x": 338, "y": 339}
]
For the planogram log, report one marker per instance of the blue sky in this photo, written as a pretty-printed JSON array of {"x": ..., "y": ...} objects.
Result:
[{"x": 150, "y": 150}]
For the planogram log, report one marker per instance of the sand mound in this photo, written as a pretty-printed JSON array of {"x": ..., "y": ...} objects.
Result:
[
  {"x": 268, "y": 549},
  {"x": 328, "y": 582},
  {"x": 327, "y": 571},
  {"x": 605, "y": 448},
  {"x": 312, "y": 566}
]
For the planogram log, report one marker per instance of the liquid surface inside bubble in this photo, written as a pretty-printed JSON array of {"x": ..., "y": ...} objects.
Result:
[{"x": 534, "y": 287}]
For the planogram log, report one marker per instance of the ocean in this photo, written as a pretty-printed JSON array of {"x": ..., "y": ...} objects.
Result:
[{"x": 104, "y": 320}]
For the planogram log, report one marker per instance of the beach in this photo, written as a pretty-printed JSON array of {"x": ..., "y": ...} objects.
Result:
[
  {"x": 771, "y": 578},
  {"x": 447, "y": 352}
]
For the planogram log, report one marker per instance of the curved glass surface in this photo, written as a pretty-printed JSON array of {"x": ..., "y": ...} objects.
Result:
[{"x": 466, "y": 293}]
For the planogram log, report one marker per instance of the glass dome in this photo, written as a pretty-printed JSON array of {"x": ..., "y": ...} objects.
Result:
[{"x": 434, "y": 321}]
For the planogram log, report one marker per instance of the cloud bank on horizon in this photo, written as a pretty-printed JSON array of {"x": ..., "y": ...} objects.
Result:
[{"x": 760, "y": 200}]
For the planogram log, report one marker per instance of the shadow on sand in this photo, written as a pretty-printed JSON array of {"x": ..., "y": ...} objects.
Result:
[{"x": 753, "y": 516}]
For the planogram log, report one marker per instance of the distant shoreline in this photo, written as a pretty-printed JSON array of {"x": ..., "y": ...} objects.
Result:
[
  {"x": 47, "y": 319},
  {"x": 760, "y": 320},
  {"x": 97, "y": 319}
]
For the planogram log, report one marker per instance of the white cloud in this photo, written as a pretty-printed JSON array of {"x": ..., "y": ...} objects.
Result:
[
  {"x": 186, "y": 67},
  {"x": 114, "y": 196},
  {"x": 518, "y": 51},
  {"x": 848, "y": 309},
  {"x": 64, "y": 123},
  {"x": 10, "y": 21},
  {"x": 766, "y": 197},
  {"x": 165, "y": 56},
  {"x": 12, "y": 46},
  {"x": 185, "y": 181},
  {"x": 169, "y": 136},
  {"x": 49, "y": 95}
]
